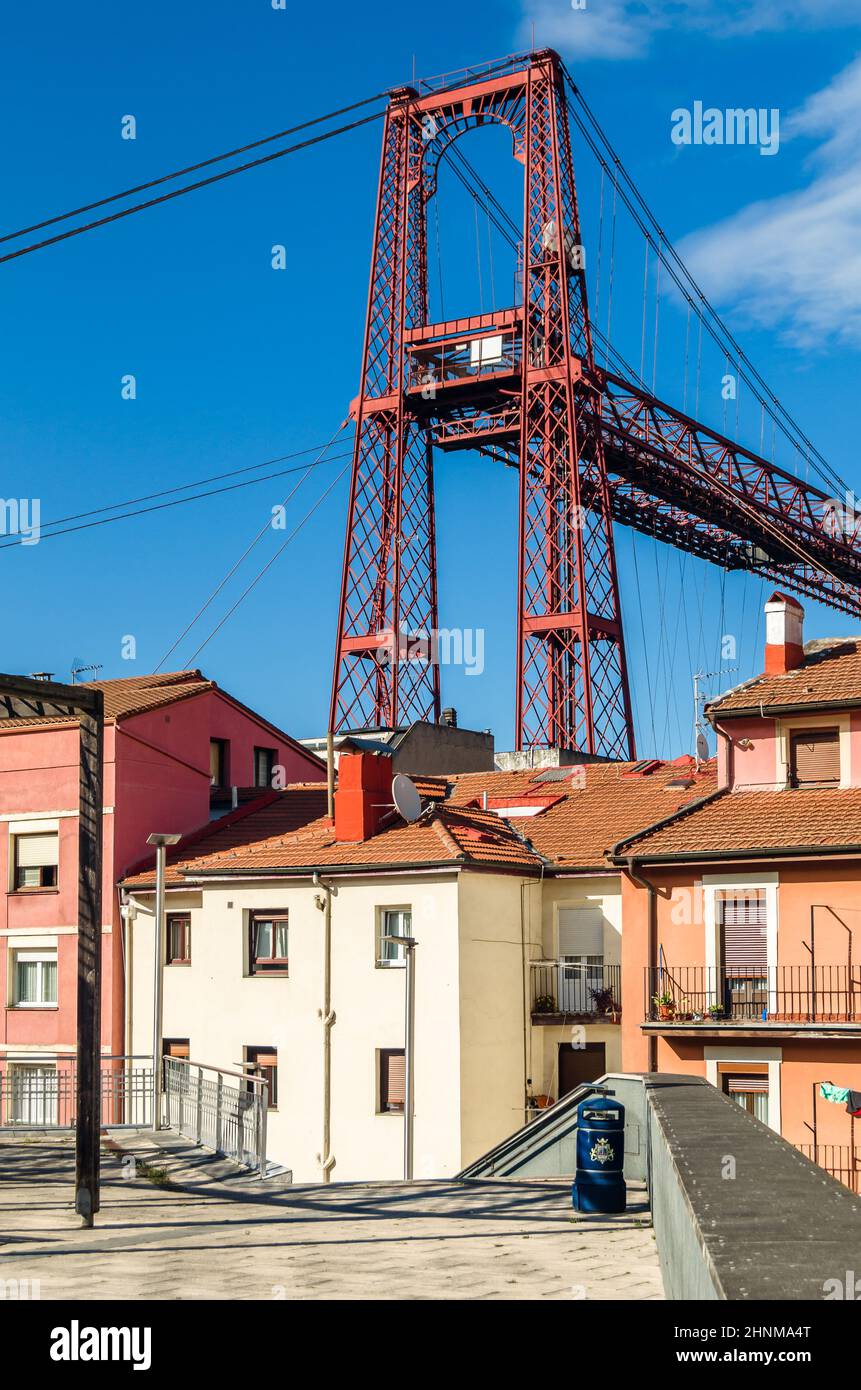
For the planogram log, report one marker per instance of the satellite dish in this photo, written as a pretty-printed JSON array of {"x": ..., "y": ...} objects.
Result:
[
  {"x": 406, "y": 798},
  {"x": 702, "y": 748}
]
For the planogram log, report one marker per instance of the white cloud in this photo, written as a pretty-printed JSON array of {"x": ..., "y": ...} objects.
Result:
[
  {"x": 624, "y": 28},
  {"x": 793, "y": 263}
]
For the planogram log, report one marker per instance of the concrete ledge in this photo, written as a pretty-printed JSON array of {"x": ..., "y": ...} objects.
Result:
[{"x": 738, "y": 1212}]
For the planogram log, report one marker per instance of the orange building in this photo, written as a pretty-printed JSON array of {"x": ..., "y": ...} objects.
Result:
[{"x": 741, "y": 943}]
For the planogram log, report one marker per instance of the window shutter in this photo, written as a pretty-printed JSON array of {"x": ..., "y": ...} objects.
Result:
[
  {"x": 393, "y": 1080},
  {"x": 581, "y": 931},
  {"x": 37, "y": 850},
  {"x": 816, "y": 757},
  {"x": 744, "y": 924},
  {"x": 177, "y": 1047},
  {"x": 757, "y": 1084}
]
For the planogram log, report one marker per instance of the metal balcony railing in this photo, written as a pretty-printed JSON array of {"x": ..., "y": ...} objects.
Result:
[
  {"x": 578, "y": 988},
  {"x": 222, "y": 1110},
  {"x": 40, "y": 1091},
  {"x": 760, "y": 994},
  {"x": 842, "y": 1161}
]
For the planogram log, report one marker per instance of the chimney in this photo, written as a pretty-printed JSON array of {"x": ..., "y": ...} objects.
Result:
[
  {"x": 364, "y": 795},
  {"x": 784, "y": 635}
]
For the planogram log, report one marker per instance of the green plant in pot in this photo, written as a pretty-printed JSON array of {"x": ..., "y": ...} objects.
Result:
[
  {"x": 665, "y": 1004},
  {"x": 544, "y": 1004}
]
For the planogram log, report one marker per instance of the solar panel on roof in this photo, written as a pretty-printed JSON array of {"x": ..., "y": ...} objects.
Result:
[{"x": 553, "y": 774}]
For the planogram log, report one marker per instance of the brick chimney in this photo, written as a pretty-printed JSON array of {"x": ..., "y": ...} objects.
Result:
[
  {"x": 784, "y": 634},
  {"x": 364, "y": 795}
]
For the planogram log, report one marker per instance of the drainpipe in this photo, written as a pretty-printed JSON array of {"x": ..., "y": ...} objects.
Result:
[
  {"x": 323, "y": 902},
  {"x": 652, "y": 946}
]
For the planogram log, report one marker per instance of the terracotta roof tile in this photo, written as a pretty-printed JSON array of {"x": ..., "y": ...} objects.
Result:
[
  {"x": 757, "y": 822},
  {"x": 829, "y": 675},
  {"x": 576, "y": 822}
]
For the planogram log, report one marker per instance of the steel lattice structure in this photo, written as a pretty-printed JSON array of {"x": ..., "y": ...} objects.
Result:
[{"x": 522, "y": 385}]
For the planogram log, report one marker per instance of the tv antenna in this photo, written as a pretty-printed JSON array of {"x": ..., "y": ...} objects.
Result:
[
  {"x": 78, "y": 669},
  {"x": 701, "y": 741}
]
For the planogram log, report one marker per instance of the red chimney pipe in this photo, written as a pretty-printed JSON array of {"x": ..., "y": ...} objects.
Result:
[{"x": 364, "y": 795}]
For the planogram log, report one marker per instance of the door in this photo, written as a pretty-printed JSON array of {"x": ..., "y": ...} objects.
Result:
[
  {"x": 581, "y": 959},
  {"x": 744, "y": 953},
  {"x": 580, "y": 1064}
]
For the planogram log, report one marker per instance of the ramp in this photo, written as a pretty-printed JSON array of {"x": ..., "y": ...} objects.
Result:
[{"x": 546, "y": 1146}]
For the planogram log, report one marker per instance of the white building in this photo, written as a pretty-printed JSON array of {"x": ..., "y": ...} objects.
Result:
[{"x": 502, "y": 884}]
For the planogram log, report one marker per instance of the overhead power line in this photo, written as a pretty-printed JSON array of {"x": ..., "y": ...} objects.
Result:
[
  {"x": 187, "y": 188},
  {"x": 267, "y": 525},
  {"x": 269, "y": 563},
  {"x": 164, "y": 506},
  {"x": 190, "y": 168}
]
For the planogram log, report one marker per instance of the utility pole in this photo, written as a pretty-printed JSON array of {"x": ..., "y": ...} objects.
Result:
[{"x": 161, "y": 843}]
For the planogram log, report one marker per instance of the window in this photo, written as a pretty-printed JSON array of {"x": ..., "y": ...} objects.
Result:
[
  {"x": 392, "y": 1080},
  {"x": 267, "y": 954},
  {"x": 263, "y": 1061},
  {"x": 180, "y": 1049},
  {"x": 264, "y": 766},
  {"x": 33, "y": 1093},
  {"x": 35, "y": 859},
  {"x": 814, "y": 758},
  {"x": 34, "y": 979},
  {"x": 218, "y": 760},
  {"x": 392, "y": 921},
  {"x": 748, "y": 1087},
  {"x": 178, "y": 939}
]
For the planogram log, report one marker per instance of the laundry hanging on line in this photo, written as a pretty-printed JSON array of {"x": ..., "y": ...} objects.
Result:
[{"x": 836, "y": 1094}]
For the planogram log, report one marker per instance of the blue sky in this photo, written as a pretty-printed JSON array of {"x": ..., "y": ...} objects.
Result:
[{"x": 236, "y": 363}]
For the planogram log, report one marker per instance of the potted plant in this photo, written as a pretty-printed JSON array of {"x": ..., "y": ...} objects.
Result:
[
  {"x": 544, "y": 1004},
  {"x": 605, "y": 1003},
  {"x": 665, "y": 1005},
  {"x": 716, "y": 1010}
]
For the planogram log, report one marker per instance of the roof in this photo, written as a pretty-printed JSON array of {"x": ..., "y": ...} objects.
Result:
[
  {"x": 292, "y": 832},
  {"x": 593, "y": 807},
  {"x": 131, "y": 695},
  {"x": 575, "y": 822},
  {"x": 752, "y": 823},
  {"x": 830, "y": 675}
]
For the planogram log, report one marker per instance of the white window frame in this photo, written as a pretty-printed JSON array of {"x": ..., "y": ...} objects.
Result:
[
  {"x": 42, "y": 956},
  {"x": 773, "y": 1056},
  {"x": 801, "y": 723},
  {"x": 22, "y": 831},
  {"x": 722, "y": 883},
  {"x": 48, "y": 1100},
  {"x": 398, "y": 961}
]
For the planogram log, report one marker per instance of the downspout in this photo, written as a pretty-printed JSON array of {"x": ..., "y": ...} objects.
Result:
[
  {"x": 324, "y": 903},
  {"x": 652, "y": 948}
]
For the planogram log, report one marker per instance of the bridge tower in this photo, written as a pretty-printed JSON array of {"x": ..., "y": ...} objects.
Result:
[{"x": 513, "y": 384}]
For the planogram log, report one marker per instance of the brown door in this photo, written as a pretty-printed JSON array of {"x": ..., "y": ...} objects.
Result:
[{"x": 579, "y": 1064}]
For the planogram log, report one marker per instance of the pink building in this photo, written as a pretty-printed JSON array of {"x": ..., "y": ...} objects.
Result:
[
  {"x": 741, "y": 912},
  {"x": 177, "y": 750}
]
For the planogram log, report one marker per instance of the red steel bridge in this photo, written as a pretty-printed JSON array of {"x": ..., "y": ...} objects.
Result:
[{"x": 523, "y": 386}]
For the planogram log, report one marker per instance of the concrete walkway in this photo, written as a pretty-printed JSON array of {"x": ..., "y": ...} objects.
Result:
[{"x": 240, "y": 1238}]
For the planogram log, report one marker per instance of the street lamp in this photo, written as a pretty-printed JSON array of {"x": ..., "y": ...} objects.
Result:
[
  {"x": 161, "y": 843},
  {"x": 409, "y": 944}
]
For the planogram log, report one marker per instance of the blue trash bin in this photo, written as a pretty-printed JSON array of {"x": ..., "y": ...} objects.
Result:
[{"x": 599, "y": 1183}]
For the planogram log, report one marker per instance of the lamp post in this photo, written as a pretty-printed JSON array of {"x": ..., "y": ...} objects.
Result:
[
  {"x": 409, "y": 944},
  {"x": 161, "y": 843}
]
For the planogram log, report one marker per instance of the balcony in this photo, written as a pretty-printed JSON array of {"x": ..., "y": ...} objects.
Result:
[
  {"x": 562, "y": 990},
  {"x": 685, "y": 998}
]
